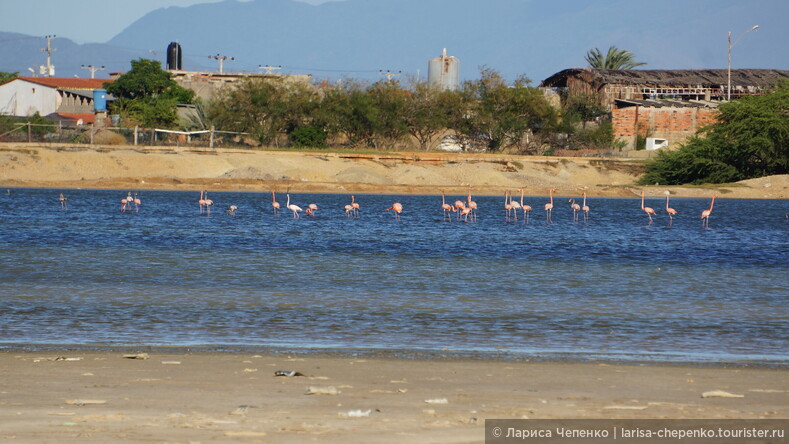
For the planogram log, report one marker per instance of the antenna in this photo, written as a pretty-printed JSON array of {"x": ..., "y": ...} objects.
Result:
[
  {"x": 269, "y": 69},
  {"x": 50, "y": 70},
  {"x": 389, "y": 74},
  {"x": 93, "y": 70},
  {"x": 221, "y": 61}
]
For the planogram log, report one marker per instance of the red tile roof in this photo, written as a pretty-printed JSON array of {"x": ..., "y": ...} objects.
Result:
[{"x": 68, "y": 82}]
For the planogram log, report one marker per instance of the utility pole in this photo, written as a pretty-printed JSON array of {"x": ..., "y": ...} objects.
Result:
[
  {"x": 728, "y": 87},
  {"x": 93, "y": 69},
  {"x": 269, "y": 69},
  {"x": 389, "y": 75},
  {"x": 221, "y": 61},
  {"x": 49, "y": 50}
]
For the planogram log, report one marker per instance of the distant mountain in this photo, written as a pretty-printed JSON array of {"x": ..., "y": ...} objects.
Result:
[
  {"x": 357, "y": 38},
  {"x": 20, "y": 53}
]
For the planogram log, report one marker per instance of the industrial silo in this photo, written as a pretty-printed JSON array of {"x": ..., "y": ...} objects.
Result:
[
  {"x": 174, "y": 57},
  {"x": 444, "y": 72}
]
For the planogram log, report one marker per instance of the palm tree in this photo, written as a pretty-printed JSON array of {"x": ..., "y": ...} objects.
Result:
[{"x": 615, "y": 59}]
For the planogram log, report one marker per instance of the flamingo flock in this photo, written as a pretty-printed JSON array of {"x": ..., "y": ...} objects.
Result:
[{"x": 465, "y": 210}]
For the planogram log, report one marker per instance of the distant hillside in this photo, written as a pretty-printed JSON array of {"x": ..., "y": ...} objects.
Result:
[
  {"x": 19, "y": 52},
  {"x": 357, "y": 38}
]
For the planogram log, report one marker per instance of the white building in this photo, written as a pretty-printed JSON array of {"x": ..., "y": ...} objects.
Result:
[{"x": 68, "y": 97}]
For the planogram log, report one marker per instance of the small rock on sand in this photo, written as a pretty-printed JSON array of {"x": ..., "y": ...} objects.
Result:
[
  {"x": 322, "y": 390},
  {"x": 720, "y": 394},
  {"x": 82, "y": 402},
  {"x": 437, "y": 401}
]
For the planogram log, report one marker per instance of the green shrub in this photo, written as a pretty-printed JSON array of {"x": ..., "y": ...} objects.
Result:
[{"x": 308, "y": 136}]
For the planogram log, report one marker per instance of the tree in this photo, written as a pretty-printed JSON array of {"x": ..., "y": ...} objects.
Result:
[
  {"x": 255, "y": 106},
  {"x": 429, "y": 111},
  {"x": 750, "y": 139},
  {"x": 615, "y": 58},
  {"x": 389, "y": 102},
  {"x": 148, "y": 95},
  {"x": 501, "y": 115},
  {"x": 7, "y": 76}
]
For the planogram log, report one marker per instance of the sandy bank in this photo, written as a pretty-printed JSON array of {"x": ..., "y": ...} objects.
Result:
[
  {"x": 172, "y": 168},
  {"x": 98, "y": 397}
]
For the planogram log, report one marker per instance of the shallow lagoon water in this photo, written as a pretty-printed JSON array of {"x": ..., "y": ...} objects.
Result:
[{"x": 616, "y": 287}]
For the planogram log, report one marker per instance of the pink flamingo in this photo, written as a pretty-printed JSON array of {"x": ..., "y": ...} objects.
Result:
[
  {"x": 507, "y": 205},
  {"x": 349, "y": 210},
  {"x": 293, "y": 207},
  {"x": 447, "y": 208},
  {"x": 526, "y": 209},
  {"x": 274, "y": 202},
  {"x": 549, "y": 206},
  {"x": 232, "y": 210},
  {"x": 705, "y": 215},
  {"x": 459, "y": 205},
  {"x": 137, "y": 203},
  {"x": 647, "y": 210},
  {"x": 126, "y": 201},
  {"x": 465, "y": 212},
  {"x": 201, "y": 202},
  {"x": 355, "y": 206},
  {"x": 398, "y": 208},
  {"x": 576, "y": 208},
  {"x": 585, "y": 209},
  {"x": 208, "y": 203},
  {"x": 671, "y": 212},
  {"x": 311, "y": 209},
  {"x": 472, "y": 205},
  {"x": 515, "y": 207}
]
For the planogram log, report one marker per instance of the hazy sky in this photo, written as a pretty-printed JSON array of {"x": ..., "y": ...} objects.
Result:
[{"x": 83, "y": 21}]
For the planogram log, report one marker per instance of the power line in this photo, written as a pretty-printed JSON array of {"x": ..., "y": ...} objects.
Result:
[
  {"x": 221, "y": 61},
  {"x": 269, "y": 69},
  {"x": 93, "y": 70},
  {"x": 388, "y": 74},
  {"x": 49, "y": 50}
]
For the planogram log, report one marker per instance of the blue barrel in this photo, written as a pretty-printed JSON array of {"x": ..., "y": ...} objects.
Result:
[{"x": 99, "y": 100}]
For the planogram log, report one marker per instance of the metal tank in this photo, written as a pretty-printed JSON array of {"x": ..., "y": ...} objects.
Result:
[
  {"x": 174, "y": 57},
  {"x": 444, "y": 72}
]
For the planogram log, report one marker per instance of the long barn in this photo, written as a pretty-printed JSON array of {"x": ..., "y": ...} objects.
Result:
[{"x": 669, "y": 105}]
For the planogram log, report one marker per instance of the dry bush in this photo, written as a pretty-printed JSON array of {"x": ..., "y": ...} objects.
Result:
[{"x": 105, "y": 137}]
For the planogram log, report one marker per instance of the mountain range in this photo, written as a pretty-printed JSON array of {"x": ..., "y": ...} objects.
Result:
[{"x": 360, "y": 38}]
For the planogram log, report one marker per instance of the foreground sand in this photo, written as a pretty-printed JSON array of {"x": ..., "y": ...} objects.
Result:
[
  {"x": 99, "y": 397},
  {"x": 172, "y": 168}
]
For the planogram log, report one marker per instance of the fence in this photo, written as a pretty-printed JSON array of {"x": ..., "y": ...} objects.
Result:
[{"x": 91, "y": 134}]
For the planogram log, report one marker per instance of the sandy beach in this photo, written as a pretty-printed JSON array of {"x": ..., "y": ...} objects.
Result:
[
  {"x": 108, "y": 396},
  {"x": 189, "y": 168}
]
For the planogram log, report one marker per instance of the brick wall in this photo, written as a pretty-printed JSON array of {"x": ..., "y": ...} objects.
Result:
[{"x": 674, "y": 124}]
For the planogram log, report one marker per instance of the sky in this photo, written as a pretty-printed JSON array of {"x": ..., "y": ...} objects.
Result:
[{"x": 70, "y": 18}]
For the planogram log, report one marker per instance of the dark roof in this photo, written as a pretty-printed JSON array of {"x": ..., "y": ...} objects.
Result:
[
  {"x": 660, "y": 103},
  {"x": 704, "y": 78}
]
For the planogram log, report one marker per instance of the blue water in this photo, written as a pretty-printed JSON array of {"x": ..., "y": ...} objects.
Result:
[{"x": 616, "y": 287}]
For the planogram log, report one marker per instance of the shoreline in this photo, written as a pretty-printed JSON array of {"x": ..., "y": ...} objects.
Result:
[
  {"x": 647, "y": 359},
  {"x": 94, "y": 397},
  {"x": 60, "y": 166}
]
